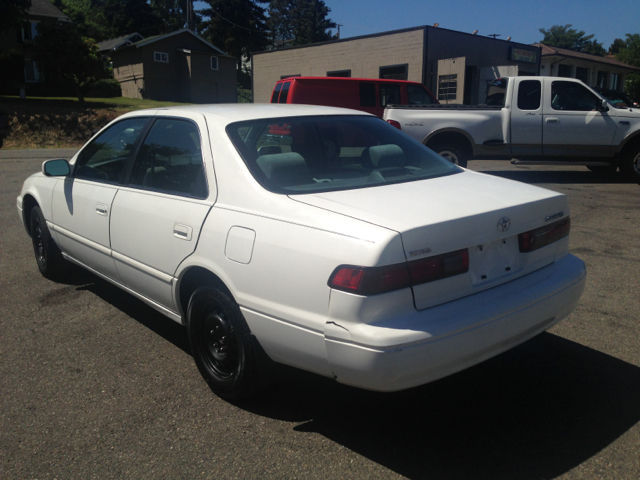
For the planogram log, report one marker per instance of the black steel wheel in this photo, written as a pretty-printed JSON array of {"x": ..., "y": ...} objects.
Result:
[
  {"x": 50, "y": 261},
  {"x": 222, "y": 345}
]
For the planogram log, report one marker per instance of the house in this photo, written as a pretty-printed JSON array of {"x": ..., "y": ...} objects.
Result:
[
  {"x": 180, "y": 66},
  {"x": 16, "y": 46},
  {"x": 456, "y": 66},
  {"x": 603, "y": 72}
]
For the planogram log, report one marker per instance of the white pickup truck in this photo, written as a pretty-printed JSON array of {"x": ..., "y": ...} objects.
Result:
[{"x": 537, "y": 120}]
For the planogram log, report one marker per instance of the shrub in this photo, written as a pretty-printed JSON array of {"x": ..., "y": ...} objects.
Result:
[{"x": 103, "y": 88}]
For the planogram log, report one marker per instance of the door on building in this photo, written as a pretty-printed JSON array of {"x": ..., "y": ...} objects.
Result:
[{"x": 451, "y": 80}]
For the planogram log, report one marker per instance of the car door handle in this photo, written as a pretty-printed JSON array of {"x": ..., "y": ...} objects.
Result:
[
  {"x": 183, "y": 232},
  {"x": 624, "y": 122},
  {"x": 102, "y": 209},
  {"x": 552, "y": 120}
]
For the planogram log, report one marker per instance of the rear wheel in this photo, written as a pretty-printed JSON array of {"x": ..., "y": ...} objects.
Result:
[
  {"x": 50, "y": 261},
  {"x": 452, "y": 153},
  {"x": 630, "y": 163},
  {"x": 223, "y": 348}
]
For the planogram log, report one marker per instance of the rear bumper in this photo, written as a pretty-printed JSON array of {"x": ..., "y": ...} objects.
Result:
[{"x": 445, "y": 339}]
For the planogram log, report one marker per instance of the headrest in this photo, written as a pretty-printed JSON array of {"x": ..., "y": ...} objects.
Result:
[
  {"x": 282, "y": 164},
  {"x": 384, "y": 156}
]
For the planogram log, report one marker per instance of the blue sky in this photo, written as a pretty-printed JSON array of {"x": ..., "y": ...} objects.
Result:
[{"x": 518, "y": 19}]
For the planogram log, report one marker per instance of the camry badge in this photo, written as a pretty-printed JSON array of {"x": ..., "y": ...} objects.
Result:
[
  {"x": 554, "y": 216},
  {"x": 503, "y": 224}
]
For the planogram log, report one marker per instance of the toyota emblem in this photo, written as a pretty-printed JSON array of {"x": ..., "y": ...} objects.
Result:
[{"x": 503, "y": 224}]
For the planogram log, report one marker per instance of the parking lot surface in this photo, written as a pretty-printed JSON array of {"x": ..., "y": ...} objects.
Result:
[{"x": 94, "y": 384}]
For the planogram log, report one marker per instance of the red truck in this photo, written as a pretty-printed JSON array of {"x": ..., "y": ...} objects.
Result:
[{"x": 367, "y": 94}]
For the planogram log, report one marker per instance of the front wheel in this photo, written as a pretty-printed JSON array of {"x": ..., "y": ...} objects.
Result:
[
  {"x": 222, "y": 345},
  {"x": 630, "y": 163},
  {"x": 451, "y": 153},
  {"x": 51, "y": 263}
]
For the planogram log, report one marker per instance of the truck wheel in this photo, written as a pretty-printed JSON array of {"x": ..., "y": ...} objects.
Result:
[
  {"x": 454, "y": 154},
  {"x": 630, "y": 163},
  {"x": 222, "y": 345}
]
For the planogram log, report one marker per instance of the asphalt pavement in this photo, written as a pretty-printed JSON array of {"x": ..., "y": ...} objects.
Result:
[{"x": 94, "y": 384}]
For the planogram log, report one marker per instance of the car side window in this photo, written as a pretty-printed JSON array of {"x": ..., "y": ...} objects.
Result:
[
  {"x": 104, "y": 159},
  {"x": 529, "y": 93},
  {"x": 170, "y": 160},
  {"x": 573, "y": 97},
  {"x": 389, "y": 95}
]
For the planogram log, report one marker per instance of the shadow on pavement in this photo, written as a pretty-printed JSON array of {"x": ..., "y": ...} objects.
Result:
[{"x": 536, "y": 411}]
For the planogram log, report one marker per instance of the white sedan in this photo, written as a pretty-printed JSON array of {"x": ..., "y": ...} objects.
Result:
[{"x": 316, "y": 237}]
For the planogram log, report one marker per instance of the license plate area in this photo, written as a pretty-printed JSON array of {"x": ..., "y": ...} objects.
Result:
[{"x": 494, "y": 260}]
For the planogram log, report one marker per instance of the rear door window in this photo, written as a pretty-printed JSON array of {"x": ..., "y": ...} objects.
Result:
[
  {"x": 367, "y": 94},
  {"x": 529, "y": 94},
  {"x": 284, "y": 94},
  {"x": 276, "y": 93}
]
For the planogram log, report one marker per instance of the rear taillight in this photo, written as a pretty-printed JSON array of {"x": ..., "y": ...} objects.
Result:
[
  {"x": 394, "y": 124},
  {"x": 543, "y": 236},
  {"x": 376, "y": 280}
]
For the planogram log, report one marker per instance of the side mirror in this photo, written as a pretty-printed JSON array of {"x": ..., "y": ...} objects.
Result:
[
  {"x": 604, "y": 106},
  {"x": 58, "y": 167}
]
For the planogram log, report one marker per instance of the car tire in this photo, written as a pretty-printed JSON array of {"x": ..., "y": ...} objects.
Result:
[
  {"x": 51, "y": 263},
  {"x": 603, "y": 170},
  {"x": 630, "y": 163},
  {"x": 223, "y": 348},
  {"x": 452, "y": 153}
]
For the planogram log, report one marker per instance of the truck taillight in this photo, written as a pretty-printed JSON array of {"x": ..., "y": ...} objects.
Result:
[
  {"x": 376, "y": 280},
  {"x": 543, "y": 236},
  {"x": 395, "y": 124}
]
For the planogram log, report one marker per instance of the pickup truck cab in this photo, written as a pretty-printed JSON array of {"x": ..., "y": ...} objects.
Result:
[
  {"x": 369, "y": 95},
  {"x": 542, "y": 120}
]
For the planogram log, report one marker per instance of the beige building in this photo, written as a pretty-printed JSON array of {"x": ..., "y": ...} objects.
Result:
[
  {"x": 603, "y": 72},
  {"x": 180, "y": 67},
  {"x": 455, "y": 66}
]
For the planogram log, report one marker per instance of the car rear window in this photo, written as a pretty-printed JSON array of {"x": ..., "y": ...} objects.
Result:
[{"x": 330, "y": 153}]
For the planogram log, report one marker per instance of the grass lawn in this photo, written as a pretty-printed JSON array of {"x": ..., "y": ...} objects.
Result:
[{"x": 49, "y": 122}]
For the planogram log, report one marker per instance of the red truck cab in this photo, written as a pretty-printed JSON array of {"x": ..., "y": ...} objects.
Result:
[{"x": 367, "y": 94}]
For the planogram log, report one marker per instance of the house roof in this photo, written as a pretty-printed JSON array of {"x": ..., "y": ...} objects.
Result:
[
  {"x": 149, "y": 40},
  {"x": 549, "y": 51},
  {"x": 114, "y": 43},
  {"x": 44, "y": 8}
]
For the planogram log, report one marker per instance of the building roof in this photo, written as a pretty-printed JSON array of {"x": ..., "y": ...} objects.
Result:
[
  {"x": 148, "y": 40},
  {"x": 44, "y": 8},
  {"x": 118, "y": 42},
  {"x": 549, "y": 51}
]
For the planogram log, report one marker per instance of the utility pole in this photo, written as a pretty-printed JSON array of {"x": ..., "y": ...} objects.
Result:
[
  {"x": 494, "y": 35},
  {"x": 339, "y": 25}
]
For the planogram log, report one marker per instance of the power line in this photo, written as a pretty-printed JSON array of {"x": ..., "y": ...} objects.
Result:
[{"x": 236, "y": 25}]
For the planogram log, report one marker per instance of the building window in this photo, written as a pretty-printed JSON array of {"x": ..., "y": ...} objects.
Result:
[
  {"x": 447, "y": 87},
  {"x": 161, "y": 57},
  {"x": 582, "y": 74},
  {"x": 602, "y": 79},
  {"x": 395, "y": 72},
  {"x": 564, "y": 71},
  {"x": 214, "y": 63},
  {"x": 339, "y": 73},
  {"x": 29, "y": 31},
  {"x": 31, "y": 73},
  {"x": 615, "y": 82}
]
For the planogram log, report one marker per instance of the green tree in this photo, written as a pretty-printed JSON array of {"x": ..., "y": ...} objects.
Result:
[
  {"x": 615, "y": 47},
  {"x": 563, "y": 36},
  {"x": 66, "y": 57},
  {"x": 13, "y": 13},
  {"x": 630, "y": 54},
  {"x": 310, "y": 22},
  {"x": 280, "y": 22},
  {"x": 235, "y": 26}
]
